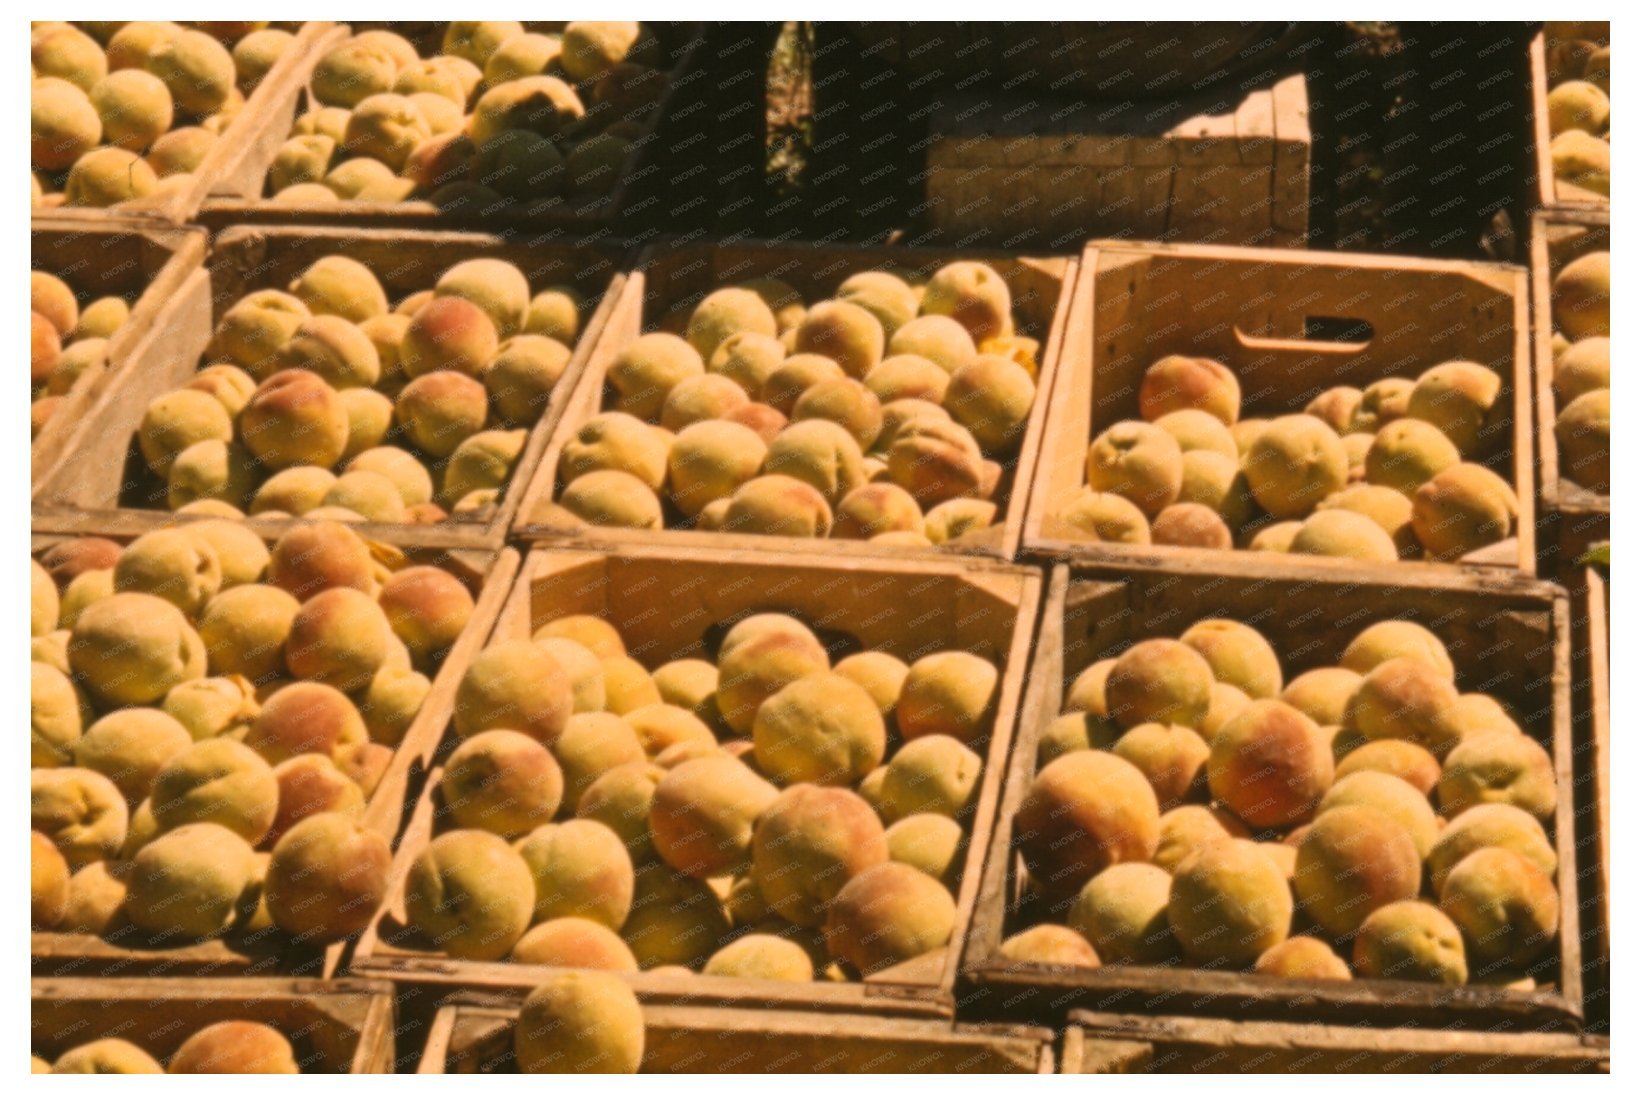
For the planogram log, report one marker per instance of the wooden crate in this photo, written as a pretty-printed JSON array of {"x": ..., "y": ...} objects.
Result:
[
  {"x": 250, "y": 203},
  {"x": 475, "y": 1034},
  {"x": 1087, "y": 615},
  {"x": 676, "y": 602},
  {"x": 1592, "y": 699},
  {"x": 334, "y": 1026},
  {"x": 236, "y": 163},
  {"x": 1550, "y": 193},
  {"x": 1098, "y": 1044},
  {"x": 1226, "y": 167},
  {"x": 1575, "y": 518},
  {"x": 146, "y": 265},
  {"x": 101, "y": 483},
  {"x": 62, "y": 954},
  {"x": 671, "y": 278},
  {"x": 1251, "y": 309}
]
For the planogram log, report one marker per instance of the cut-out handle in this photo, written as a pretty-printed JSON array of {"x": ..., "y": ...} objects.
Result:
[{"x": 1316, "y": 342}]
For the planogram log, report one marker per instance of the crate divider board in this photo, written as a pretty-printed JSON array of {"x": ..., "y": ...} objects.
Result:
[
  {"x": 88, "y": 488},
  {"x": 1096, "y": 1043},
  {"x": 1096, "y": 613},
  {"x": 68, "y": 954},
  {"x": 348, "y": 1026},
  {"x": 1577, "y": 518},
  {"x": 1549, "y": 193},
  {"x": 241, "y": 155},
  {"x": 1249, "y": 309},
  {"x": 674, "y": 275},
  {"x": 667, "y": 603},
  {"x": 101, "y": 258},
  {"x": 247, "y": 202},
  {"x": 1592, "y": 705},
  {"x": 475, "y": 1033}
]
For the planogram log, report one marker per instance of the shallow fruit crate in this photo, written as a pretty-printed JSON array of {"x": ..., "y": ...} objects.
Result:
[
  {"x": 236, "y": 163},
  {"x": 669, "y": 279},
  {"x": 334, "y": 1026},
  {"x": 1100, "y": 1044},
  {"x": 1270, "y": 316},
  {"x": 99, "y": 258},
  {"x": 101, "y": 483},
  {"x": 489, "y": 577},
  {"x": 475, "y": 1034},
  {"x": 674, "y": 603},
  {"x": 1550, "y": 193},
  {"x": 249, "y": 203},
  {"x": 1514, "y": 641},
  {"x": 1574, "y": 518}
]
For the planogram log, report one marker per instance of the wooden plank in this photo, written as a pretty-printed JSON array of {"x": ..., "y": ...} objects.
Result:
[
  {"x": 251, "y": 137},
  {"x": 334, "y": 1027},
  {"x": 476, "y": 1035},
  {"x": 672, "y": 275},
  {"x": 671, "y": 602},
  {"x": 1089, "y": 614},
  {"x": 490, "y": 580},
  {"x": 145, "y": 265},
  {"x": 1248, "y": 308},
  {"x": 101, "y": 482},
  {"x": 1103, "y": 1044},
  {"x": 1572, "y": 518},
  {"x": 247, "y": 202},
  {"x": 1592, "y": 704}
]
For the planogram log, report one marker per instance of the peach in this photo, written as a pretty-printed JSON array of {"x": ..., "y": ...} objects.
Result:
[
  {"x": 440, "y": 410},
  {"x": 80, "y": 811},
  {"x": 676, "y": 920},
  {"x": 956, "y": 518},
  {"x": 1340, "y": 407},
  {"x": 177, "y": 420},
  {"x": 1186, "y": 828},
  {"x": 1159, "y": 680},
  {"x": 1083, "y": 813},
  {"x": 106, "y": 177},
  {"x": 514, "y": 685},
  {"x": 581, "y": 869},
  {"x": 313, "y": 558},
  {"x": 193, "y": 882},
  {"x": 724, "y": 313},
  {"x": 821, "y": 727},
  {"x": 1407, "y": 453},
  {"x": 1388, "y": 639},
  {"x": 218, "y": 781},
  {"x": 711, "y": 460},
  {"x": 339, "y": 637},
  {"x": 584, "y": 669},
  {"x": 1303, "y": 957},
  {"x": 1177, "y": 383},
  {"x": 1295, "y": 462},
  {"x": 1049, "y": 944},
  {"x": 130, "y": 649},
  {"x": 937, "y": 338},
  {"x": 951, "y": 693},
  {"x": 936, "y": 461},
  {"x": 1270, "y": 764},
  {"x": 1490, "y": 825},
  {"x": 1406, "y": 699},
  {"x": 702, "y": 815},
  {"x": 48, "y": 883},
  {"x": 614, "y": 441},
  {"x": 1580, "y": 299},
  {"x": 992, "y": 397},
  {"x": 63, "y": 125},
  {"x": 1170, "y": 757},
  {"x": 619, "y": 798},
  {"x": 235, "y": 1047},
  {"x": 95, "y": 902},
  {"x": 105, "y": 1056},
  {"x": 1506, "y": 908},
  {"x": 908, "y": 376},
  {"x": 613, "y": 499},
  {"x": 1188, "y": 524},
  {"x": 67, "y": 559},
  {"x": 1123, "y": 913},
  {"x": 449, "y": 332},
  {"x": 1410, "y": 941},
  {"x": 766, "y": 957},
  {"x": 627, "y": 686},
  {"x": 1228, "y": 904},
  {"x": 933, "y": 775},
  {"x": 1583, "y": 367},
  {"x": 337, "y": 285},
  {"x": 407, "y": 474},
  {"x": 645, "y": 373},
  {"x": 932, "y": 843},
  {"x": 1583, "y": 434},
  {"x": 170, "y": 564},
  {"x": 1107, "y": 517},
  {"x": 844, "y": 332},
  {"x": 1237, "y": 655},
  {"x": 1389, "y": 797},
  {"x": 747, "y": 359},
  {"x": 1386, "y": 507},
  {"x": 579, "y": 1022},
  {"x": 574, "y": 942},
  {"x": 1139, "y": 461},
  {"x": 326, "y": 878},
  {"x": 808, "y": 844},
  {"x": 1406, "y": 761},
  {"x": 1352, "y": 861},
  {"x": 1343, "y": 534},
  {"x": 1495, "y": 767},
  {"x": 1460, "y": 398},
  {"x": 973, "y": 294},
  {"x": 130, "y": 747},
  {"x": 592, "y": 632},
  {"x": 312, "y": 784},
  {"x": 1322, "y": 694},
  {"x": 888, "y": 914},
  {"x": 470, "y": 894},
  {"x": 521, "y": 376},
  {"x": 294, "y": 418}
]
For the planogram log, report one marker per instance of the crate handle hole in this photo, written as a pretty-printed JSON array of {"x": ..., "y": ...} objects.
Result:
[{"x": 1323, "y": 334}]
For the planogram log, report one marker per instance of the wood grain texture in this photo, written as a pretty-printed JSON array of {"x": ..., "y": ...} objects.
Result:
[
  {"x": 334, "y": 1027},
  {"x": 476, "y": 1035},
  {"x": 1097, "y": 1043},
  {"x": 1222, "y": 167},
  {"x": 1091, "y": 613},
  {"x": 101, "y": 482},
  {"x": 1248, "y": 308},
  {"x": 490, "y": 579},
  {"x": 671, "y": 277},
  {"x": 673, "y": 603}
]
